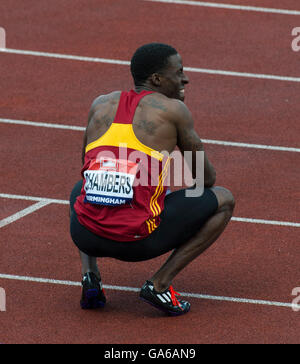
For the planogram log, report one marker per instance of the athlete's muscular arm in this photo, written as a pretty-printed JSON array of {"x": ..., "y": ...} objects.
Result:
[
  {"x": 84, "y": 145},
  {"x": 90, "y": 117},
  {"x": 99, "y": 100},
  {"x": 100, "y": 117},
  {"x": 188, "y": 140}
]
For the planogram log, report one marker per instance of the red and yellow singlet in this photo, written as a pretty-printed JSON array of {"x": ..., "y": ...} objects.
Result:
[{"x": 123, "y": 180}]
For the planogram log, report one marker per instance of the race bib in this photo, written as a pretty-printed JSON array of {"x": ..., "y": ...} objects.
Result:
[{"x": 110, "y": 181}]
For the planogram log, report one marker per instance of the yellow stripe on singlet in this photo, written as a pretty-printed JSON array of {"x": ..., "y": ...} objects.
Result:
[
  {"x": 154, "y": 206},
  {"x": 121, "y": 135},
  {"x": 151, "y": 225}
]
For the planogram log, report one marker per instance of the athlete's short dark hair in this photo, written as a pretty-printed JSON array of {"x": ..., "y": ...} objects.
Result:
[{"x": 148, "y": 59}]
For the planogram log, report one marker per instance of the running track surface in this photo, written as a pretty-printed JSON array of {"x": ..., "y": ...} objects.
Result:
[{"x": 251, "y": 260}]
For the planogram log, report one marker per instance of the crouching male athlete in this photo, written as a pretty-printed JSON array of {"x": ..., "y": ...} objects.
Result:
[{"x": 111, "y": 215}]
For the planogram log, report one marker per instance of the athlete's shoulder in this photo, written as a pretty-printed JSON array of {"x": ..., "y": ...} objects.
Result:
[
  {"x": 111, "y": 97},
  {"x": 179, "y": 107},
  {"x": 159, "y": 101},
  {"x": 176, "y": 110}
]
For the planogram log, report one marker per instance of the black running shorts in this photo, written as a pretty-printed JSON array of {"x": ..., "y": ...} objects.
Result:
[{"x": 181, "y": 219}]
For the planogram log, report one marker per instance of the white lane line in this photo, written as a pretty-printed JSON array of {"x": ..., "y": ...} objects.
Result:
[
  {"x": 229, "y": 6},
  {"x": 238, "y": 219},
  {"x": 134, "y": 289},
  {"x": 64, "y": 56},
  {"x": 32, "y": 198},
  {"x": 206, "y": 141},
  {"x": 266, "y": 222},
  {"x": 249, "y": 145},
  {"x": 127, "y": 63},
  {"x": 10, "y": 219},
  {"x": 242, "y": 74},
  {"x": 41, "y": 125}
]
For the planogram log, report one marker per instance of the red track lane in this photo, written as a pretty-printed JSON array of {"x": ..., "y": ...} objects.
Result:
[
  {"x": 249, "y": 260},
  {"x": 50, "y": 90},
  {"x": 224, "y": 108},
  {"x": 210, "y": 38},
  {"x": 235, "y": 266},
  {"x": 252, "y": 175},
  {"x": 245, "y": 262},
  {"x": 50, "y": 314},
  {"x": 9, "y": 207}
]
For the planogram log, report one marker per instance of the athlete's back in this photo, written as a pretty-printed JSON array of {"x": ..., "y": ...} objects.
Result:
[
  {"x": 154, "y": 122},
  {"x": 124, "y": 172}
]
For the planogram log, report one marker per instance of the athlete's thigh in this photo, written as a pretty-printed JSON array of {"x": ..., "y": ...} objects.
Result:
[
  {"x": 183, "y": 216},
  {"x": 179, "y": 205},
  {"x": 75, "y": 193},
  {"x": 223, "y": 195}
]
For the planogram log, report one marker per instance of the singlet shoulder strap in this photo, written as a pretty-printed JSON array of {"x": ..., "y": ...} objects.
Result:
[{"x": 127, "y": 106}]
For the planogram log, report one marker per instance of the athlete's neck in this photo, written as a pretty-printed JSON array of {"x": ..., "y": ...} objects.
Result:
[{"x": 139, "y": 89}]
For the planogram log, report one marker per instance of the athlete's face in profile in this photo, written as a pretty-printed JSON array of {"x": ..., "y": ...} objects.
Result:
[{"x": 173, "y": 79}]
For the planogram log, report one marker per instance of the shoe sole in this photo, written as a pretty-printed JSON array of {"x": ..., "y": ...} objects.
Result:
[
  {"x": 91, "y": 300},
  {"x": 165, "y": 310}
]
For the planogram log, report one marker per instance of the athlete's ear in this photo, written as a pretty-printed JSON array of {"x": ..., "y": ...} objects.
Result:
[{"x": 156, "y": 79}]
